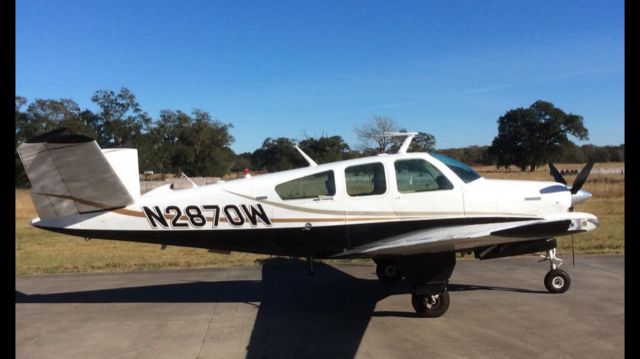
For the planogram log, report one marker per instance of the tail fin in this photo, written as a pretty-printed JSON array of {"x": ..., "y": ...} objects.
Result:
[
  {"x": 124, "y": 162},
  {"x": 69, "y": 174}
]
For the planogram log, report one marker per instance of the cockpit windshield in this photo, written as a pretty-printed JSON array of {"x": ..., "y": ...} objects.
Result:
[{"x": 466, "y": 173}]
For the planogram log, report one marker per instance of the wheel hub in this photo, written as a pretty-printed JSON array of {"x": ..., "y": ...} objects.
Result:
[
  {"x": 557, "y": 282},
  {"x": 431, "y": 301},
  {"x": 391, "y": 271}
]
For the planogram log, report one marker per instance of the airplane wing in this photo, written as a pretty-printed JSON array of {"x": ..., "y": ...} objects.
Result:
[{"x": 460, "y": 237}]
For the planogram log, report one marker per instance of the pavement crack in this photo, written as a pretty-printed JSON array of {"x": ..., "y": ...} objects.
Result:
[{"x": 206, "y": 332}]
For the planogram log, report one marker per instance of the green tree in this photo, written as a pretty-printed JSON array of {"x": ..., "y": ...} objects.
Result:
[
  {"x": 46, "y": 115},
  {"x": 532, "y": 136},
  {"x": 277, "y": 155},
  {"x": 472, "y": 155},
  {"x": 423, "y": 142},
  {"x": 570, "y": 153},
  {"x": 241, "y": 162},
  {"x": 21, "y": 122},
  {"x": 210, "y": 140},
  {"x": 196, "y": 145},
  {"x": 325, "y": 149},
  {"x": 122, "y": 119}
]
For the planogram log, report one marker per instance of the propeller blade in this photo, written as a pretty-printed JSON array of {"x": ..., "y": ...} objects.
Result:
[
  {"x": 582, "y": 178},
  {"x": 556, "y": 174}
]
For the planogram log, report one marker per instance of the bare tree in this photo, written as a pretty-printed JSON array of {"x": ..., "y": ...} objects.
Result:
[{"x": 371, "y": 133}]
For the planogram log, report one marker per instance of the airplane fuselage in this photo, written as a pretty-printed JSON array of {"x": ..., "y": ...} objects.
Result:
[
  {"x": 320, "y": 210},
  {"x": 409, "y": 212}
]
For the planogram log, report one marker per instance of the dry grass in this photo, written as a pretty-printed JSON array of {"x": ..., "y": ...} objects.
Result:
[
  {"x": 39, "y": 251},
  {"x": 600, "y": 185}
]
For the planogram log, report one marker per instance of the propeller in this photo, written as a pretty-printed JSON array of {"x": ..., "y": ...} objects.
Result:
[
  {"x": 577, "y": 195},
  {"x": 582, "y": 178},
  {"x": 556, "y": 174}
]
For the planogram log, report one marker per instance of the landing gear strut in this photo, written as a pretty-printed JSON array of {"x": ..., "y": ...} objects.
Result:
[
  {"x": 310, "y": 264},
  {"x": 556, "y": 280},
  {"x": 428, "y": 275}
]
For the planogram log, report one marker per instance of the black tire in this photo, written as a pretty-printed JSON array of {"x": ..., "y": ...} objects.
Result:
[
  {"x": 557, "y": 281},
  {"x": 430, "y": 306},
  {"x": 388, "y": 273}
]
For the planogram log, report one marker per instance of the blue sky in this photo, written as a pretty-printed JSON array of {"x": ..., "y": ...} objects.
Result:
[{"x": 296, "y": 68}]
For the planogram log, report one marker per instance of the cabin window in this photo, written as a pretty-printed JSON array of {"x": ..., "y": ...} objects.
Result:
[
  {"x": 418, "y": 175},
  {"x": 365, "y": 180},
  {"x": 466, "y": 173},
  {"x": 319, "y": 184}
]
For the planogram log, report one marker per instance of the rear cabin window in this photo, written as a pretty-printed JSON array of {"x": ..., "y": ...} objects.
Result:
[
  {"x": 365, "y": 180},
  {"x": 418, "y": 175},
  {"x": 319, "y": 184}
]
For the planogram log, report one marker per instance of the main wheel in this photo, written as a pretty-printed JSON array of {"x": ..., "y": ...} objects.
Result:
[
  {"x": 388, "y": 273},
  {"x": 557, "y": 281},
  {"x": 430, "y": 305}
]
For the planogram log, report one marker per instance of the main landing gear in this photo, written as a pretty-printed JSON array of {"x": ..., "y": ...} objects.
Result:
[
  {"x": 428, "y": 275},
  {"x": 388, "y": 272},
  {"x": 556, "y": 280}
]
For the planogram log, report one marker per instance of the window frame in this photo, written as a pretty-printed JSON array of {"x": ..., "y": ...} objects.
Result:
[
  {"x": 332, "y": 176},
  {"x": 395, "y": 173},
  {"x": 385, "y": 177}
]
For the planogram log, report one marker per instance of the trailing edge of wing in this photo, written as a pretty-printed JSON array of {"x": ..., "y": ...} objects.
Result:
[{"x": 470, "y": 236}]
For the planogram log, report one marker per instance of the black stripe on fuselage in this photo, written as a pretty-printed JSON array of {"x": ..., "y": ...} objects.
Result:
[{"x": 321, "y": 241}]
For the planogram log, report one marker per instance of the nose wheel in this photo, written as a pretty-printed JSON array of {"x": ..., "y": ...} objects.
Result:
[{"x": 556, "y": 280}]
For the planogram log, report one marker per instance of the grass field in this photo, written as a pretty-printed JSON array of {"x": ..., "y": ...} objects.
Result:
[{"x": 39, "y": 251}]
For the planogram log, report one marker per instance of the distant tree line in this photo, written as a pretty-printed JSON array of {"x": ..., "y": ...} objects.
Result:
[
  {"x": 570, "y": 153},
  {"x": 199, "y": 145}
]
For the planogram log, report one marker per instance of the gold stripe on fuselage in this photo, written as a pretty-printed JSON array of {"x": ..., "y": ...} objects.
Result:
[{"x": 346, "y": 215}]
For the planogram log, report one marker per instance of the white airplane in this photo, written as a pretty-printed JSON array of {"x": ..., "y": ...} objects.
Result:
[{"x": 409, "y": 212}]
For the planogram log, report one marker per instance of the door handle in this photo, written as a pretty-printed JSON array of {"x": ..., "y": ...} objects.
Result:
[{"x": 323, "y": 198}]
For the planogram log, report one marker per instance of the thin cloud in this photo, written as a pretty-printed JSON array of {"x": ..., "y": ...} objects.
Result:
[{"x": 492, "y": 88}]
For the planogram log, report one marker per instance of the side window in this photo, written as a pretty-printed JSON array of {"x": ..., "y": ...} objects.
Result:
[
  {"x": 419, "y": 176},
  {"x": 319, "y": 184},
  {"x": 365, "y": 180}
]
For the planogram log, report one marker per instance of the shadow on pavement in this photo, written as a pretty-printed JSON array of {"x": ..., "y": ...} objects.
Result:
[
  {"x": 465, "y": 287},
  {"x": 325, "y": 315}
]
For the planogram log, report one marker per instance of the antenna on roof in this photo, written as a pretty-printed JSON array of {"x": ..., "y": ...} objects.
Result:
[
  {"x": 193, "y": 184},
  {"x": 311, "y": 162},
  {"x": 407, "y": 141}
]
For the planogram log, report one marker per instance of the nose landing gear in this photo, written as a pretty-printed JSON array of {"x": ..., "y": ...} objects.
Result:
[{"x": 556, "y": 280}]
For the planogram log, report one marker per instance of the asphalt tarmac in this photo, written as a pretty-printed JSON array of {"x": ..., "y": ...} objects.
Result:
[{"x": 499, "y": 309}]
